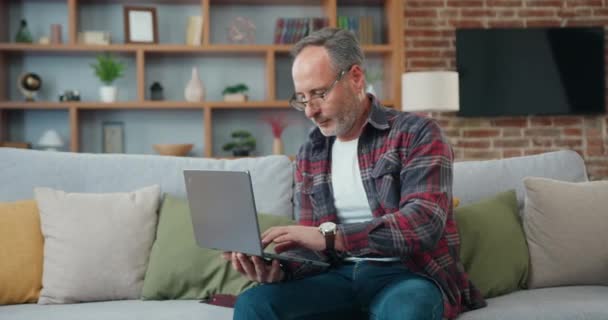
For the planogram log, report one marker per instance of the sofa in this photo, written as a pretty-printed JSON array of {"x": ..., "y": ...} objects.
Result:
[{"x": 22, "y": 170}]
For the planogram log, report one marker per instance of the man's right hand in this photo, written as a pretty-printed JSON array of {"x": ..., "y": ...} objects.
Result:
[{"x": 254, "y": 268}]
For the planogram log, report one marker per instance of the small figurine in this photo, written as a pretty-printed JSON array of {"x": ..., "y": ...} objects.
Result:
[
  {"x": 29, "y": 84},
  {"x": 23, "y": 34},
  {"x": 156, "y": 92}
]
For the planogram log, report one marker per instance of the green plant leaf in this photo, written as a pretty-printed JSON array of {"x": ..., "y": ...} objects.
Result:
[{"x": 108, "y": 69}]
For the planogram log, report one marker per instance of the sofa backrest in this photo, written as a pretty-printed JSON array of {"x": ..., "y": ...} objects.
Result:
[
  {"x": 474, "y": 180},
  {"x": 22, "y": 170}
]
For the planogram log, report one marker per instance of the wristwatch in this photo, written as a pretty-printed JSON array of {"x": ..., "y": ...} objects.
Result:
[{"x": 328, "y": 230}]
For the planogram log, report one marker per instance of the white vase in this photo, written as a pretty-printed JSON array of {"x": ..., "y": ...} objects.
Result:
[
  {"x": 108, "y": 93},
  {"x": 194, "y": 91}
]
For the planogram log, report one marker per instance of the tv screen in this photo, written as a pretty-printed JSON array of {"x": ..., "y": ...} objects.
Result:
[{"x": 531, "y": 71}]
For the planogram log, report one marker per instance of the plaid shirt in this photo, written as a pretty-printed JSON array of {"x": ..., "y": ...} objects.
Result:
[{"x": 406, "y": 167}]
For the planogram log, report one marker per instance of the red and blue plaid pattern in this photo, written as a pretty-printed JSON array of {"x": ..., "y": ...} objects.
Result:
[{"x": 406, "y": 167}]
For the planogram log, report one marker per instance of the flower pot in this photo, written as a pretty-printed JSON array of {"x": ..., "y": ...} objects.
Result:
[
  {"x": 108, "y": 93},
  {"x": 277, "y": 146},
  {"x": 240, "y": 153},
  {"x": 235, "y": 97}
]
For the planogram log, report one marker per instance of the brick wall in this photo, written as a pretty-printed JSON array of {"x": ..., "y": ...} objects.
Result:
[{"x": 429, "y": 41}]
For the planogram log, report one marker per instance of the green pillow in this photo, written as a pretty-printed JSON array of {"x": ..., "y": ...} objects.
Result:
[
  {"x": 180, "y": 269},
  {"x": 493, "y": 246}
]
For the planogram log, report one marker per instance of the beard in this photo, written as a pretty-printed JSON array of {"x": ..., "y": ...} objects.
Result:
[{"x": 345, "y": 118}]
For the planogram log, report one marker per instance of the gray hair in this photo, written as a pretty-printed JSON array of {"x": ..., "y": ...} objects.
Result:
[{"x": 342, "y": 46}]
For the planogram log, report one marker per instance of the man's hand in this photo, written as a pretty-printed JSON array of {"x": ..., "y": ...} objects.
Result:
[
  {"x": 289, "y": 236},
  {"x": 254, "y": 268}
]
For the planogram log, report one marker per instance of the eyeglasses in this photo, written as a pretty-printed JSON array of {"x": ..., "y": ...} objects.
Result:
[{"x": 297, "y": 100}]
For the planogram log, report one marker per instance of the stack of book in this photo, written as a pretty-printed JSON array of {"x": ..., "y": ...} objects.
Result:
[
  {"x": 291, "y": 30},
  {"x": 362, "y": 27}
]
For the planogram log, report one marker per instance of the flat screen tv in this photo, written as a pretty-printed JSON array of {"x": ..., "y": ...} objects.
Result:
[{"x": 531, "y": 71}]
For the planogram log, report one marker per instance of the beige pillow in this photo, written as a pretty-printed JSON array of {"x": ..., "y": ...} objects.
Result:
[
  {"x": 96, "y": 245},
  {"x": 566, "y": 226}
]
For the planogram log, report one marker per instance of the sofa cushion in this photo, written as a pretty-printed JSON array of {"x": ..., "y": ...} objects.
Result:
[
  {"x": 560, "y": 303},
  {"x": 20, "y": 252},
  {"x": 96, "y": 245},
  {"x": 566, "y": 227},
  {"x": 493, "y": 247},
  {"x": 180, "y": 269}
]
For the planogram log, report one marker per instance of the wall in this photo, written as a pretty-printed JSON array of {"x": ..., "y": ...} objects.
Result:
[{"x": 429, "y": 42}]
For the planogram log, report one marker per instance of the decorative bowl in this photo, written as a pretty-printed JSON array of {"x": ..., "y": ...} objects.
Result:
[{"x": 173, "y": 149}]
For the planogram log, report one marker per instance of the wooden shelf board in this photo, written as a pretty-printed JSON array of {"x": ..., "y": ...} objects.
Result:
[
  {"x": 17, "y": 47},
  {"x": 15, "y": 105},
  {"x": 249, "y": 104}
]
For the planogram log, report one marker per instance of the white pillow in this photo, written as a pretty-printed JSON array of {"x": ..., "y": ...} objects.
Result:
[
  {"x": 566, "y": 226},
  {"x": 96, "y": 246}
]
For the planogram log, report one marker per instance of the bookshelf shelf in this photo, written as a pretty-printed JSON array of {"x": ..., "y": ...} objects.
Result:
[{"x": 148, "y": 59}]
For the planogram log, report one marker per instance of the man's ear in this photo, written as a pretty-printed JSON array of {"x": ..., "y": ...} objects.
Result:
[{"x": 357, "y": 77}]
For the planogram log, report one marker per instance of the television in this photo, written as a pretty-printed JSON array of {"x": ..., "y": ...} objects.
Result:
[{"x": 530, "y": 71}]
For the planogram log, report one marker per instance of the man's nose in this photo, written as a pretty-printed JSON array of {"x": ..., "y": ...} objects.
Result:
[{"x": 311, "y": 111}]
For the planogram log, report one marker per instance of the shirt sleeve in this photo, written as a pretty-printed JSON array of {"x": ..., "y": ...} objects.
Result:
[{"x": 425, "y": 184}]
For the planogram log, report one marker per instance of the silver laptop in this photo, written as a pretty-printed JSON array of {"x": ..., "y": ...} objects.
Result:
[{"x": 224, "y": 216}]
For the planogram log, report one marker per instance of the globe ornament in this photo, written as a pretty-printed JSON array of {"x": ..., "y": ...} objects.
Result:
[{"x": 29, "y": 84}]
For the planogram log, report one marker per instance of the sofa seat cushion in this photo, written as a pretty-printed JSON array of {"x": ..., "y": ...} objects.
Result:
[
  {"x": 559, "y": 303},
  {"x": 118, "y": 310}
]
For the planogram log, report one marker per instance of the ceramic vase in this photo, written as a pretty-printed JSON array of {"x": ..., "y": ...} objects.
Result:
[
  {"x": 108, "y": 93},
  {"x": 194, "y": 90},
  {"x": 277, "y": 146}
]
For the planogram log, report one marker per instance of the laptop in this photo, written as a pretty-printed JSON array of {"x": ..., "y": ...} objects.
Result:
[{"x": 224, "y": 215}]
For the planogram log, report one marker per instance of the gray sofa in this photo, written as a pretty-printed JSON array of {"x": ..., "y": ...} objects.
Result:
[{"x": 21, "y": 170}]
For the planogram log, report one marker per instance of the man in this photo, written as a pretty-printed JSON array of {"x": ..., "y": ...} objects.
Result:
[{"x": 373, "y": 191}]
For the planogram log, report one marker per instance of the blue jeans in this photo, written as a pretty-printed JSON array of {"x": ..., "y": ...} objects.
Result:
[{"x": 362, "y": 290}]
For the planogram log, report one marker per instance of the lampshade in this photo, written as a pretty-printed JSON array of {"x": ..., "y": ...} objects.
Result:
[
  {"x": 50, "y": 140},
  {"x": 429, "y": 91}
]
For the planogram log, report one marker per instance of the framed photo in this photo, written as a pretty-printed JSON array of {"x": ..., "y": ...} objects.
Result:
[
  {"x": 113, "y": 137},
  {"x": 140, "y": 25}
]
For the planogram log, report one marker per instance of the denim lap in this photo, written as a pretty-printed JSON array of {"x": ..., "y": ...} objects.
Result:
[{"x": 362, "y": 290}]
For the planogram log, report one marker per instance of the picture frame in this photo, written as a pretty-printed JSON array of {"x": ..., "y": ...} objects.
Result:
[
  {"x": 141, "y": 24},
  {"x": 113, "y": 137}
]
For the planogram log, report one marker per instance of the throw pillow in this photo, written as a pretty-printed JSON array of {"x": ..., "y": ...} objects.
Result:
[
  {"x": 493, "y": 247},
  {"x": 566, "y": 227},
  {"x": 180, "y": 269},
  {"x": 96, "y": 245},
  {"x": 20, "y": 252}
]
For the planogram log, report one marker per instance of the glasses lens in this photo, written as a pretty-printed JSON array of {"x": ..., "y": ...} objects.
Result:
[{"x": 297, "y": 105}]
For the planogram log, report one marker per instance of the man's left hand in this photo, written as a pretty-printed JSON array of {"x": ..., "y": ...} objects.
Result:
[{"x": 289, "y": 236}]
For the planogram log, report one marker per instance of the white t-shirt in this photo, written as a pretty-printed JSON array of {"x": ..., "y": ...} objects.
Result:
[{"x": 350, "y": 198}]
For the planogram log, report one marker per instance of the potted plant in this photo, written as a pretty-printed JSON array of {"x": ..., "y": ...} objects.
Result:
[
  {"x": 241, "y": 145},
  {"x": 108, "y": 69},
  {"x": 237, "y": 92}
]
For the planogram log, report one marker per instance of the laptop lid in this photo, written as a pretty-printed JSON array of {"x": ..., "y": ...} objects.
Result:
[{"x": 223, "y": 210}]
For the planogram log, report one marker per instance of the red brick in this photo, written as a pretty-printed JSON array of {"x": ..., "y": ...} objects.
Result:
[
  {"x": 567, "y": 121},
  {"x": 418, "y": 22},
  {"x": 465, "y": 3},
  {"x": 533, "y": 13},
  {"x": 418, "y": 53},
  {"x": 584, "y": 3},
  {"x": 417, "y": 33},
  {"x": 477, "y": 13},
  {"x": 573, "y": 132},
  {"x": 600, "y": 12},
  {"x": 596, "y": 152},
  {"x": 504, "y": 3},
  {"x": 468, "y": 23},
  {"x": 423, "y": 3},
  {"x": 595, "y": 142},
  {"x": 544, "y": 3},
  {"x": 481, "y": 133},
  {"x": 590, "y": 132},
  {"x": 598, "y": 174},
  {"x": 540, "y": 122},
  {"x": 421, "y": 13},
  {"x": 542, "y": 132},
  {"x": 570, "y": 143},
  {"x": 505, "y": 24},
  {"x": 471, "y": 123},
  {"x": 448, "y": 13},
  {"x": 510, "y": 132},
  {"x": 452, "y": 132},
  {"x": 427, "y": 63},
  {"x": 510, "y": 122},
  {"x": 471, "y": 154},
  {"x": 505, "y": 13},
  {"x": 510, "y": 143},
  {"x": 431, "y": 43},
  {"x": 473, "y": 144},
  {"x": 543, "y": 23},
  {"x": 587, "y": 22}
]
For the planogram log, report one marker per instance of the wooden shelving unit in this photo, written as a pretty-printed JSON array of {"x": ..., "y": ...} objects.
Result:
[{"x": 391, "y": 53}]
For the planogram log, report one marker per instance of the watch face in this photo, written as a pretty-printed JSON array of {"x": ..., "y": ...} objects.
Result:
[{"x": 327, "y": 227}]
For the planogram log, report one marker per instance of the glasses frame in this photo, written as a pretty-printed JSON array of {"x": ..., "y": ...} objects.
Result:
[{"x": 301, "y": 105}]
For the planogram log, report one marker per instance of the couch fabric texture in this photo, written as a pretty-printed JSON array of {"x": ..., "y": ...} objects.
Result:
[{"x": 23, "y": 170}]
